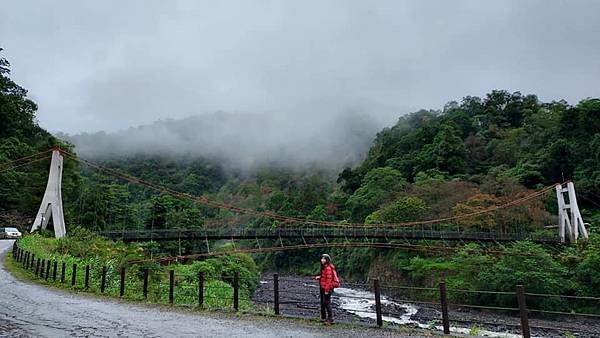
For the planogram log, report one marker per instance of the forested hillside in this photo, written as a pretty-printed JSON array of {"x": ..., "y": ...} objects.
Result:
[
  {"x": 21, "y": 136},
  {"x": 470, "y": 156},
  {"x": 507, "y": 135},
  {"x": 496, "y": 147}
]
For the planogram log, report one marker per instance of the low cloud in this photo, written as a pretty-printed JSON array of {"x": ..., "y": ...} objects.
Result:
[{"x": 243, "y": 141}]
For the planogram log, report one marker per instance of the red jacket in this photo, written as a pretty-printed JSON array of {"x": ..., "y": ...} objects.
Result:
[{"x": 326, "y": 280}]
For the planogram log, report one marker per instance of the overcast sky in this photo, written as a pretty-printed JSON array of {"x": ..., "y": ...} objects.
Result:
[{"x": 108, "y": 65}]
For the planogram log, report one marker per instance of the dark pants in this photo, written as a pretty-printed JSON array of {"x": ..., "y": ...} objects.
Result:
[{"x": 327, "y": 304}]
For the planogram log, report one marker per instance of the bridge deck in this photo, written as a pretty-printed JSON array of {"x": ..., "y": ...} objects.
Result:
[{"x": 329, "y": 233}]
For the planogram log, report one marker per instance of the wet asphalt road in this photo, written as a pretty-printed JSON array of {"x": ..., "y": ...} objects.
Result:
[{"x": 29, "y": 310}]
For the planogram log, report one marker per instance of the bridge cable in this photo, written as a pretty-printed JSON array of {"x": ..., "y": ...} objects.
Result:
[
  {"x": 295, "y": 220},
  {"x": 14, "y": 166},
  {"x": 7, "y": 163}
]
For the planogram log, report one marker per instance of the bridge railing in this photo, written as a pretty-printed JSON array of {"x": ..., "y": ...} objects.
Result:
[
  {"x": 285, "y": 295},
  {"x": 320, "y": 232}
]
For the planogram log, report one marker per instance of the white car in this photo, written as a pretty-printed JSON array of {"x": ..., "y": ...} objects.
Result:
[{"x": 10, "y": 233}]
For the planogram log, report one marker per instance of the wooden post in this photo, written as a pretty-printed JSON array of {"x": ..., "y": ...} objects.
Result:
[
  {"x": 62, "y": 272},
  {"x": 276, "y": 293},
  {"x": 122, "y": 285},
  {"x": 37, "y": 267},
  {"x": 87, "y": 276},
  {"x": 54, "y": 271},
  {"x": 444, "y": 304},
  {"x": 171, "y": 286},
  {"x": 321, "y": 296},
  {"x": 200, "y": 289},
  {"x": 378, "y": 302},
  {"x": 145, "y": 287},
  {"x": 32, "y": 265},
  {"x": 26, "y": 260},
  {"x": 47, "y": 274},
  {"x": 523, "y": 311},
  {"x": 103, "y": 279},
  {"x": 42, "y": 267},
  {"x": 74, "y": 274},
  {"x": 236, "y": 291}
]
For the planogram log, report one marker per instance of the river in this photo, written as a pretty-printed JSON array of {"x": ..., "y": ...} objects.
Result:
[
  {"x": 300, "y": 298},
  {"x": 349, "y": 300}
]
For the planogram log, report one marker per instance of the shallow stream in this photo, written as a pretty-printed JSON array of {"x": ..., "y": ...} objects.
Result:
[{"x": 362, "y": 303}]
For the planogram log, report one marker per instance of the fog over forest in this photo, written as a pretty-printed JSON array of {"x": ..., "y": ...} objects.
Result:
[{"x": 243, "y": 141}]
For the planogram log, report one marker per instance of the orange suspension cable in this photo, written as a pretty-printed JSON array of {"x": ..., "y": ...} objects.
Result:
[
  {"x": 5, "y": 169},
  {"x": 9, "y": 163},
  {"x": 295, "y": 220}
]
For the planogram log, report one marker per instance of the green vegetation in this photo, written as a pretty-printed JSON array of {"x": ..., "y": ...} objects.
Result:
[
  {"x": 472, "y": 155},
  {"x": 83, "y": 248},
  {"x": 21, "y": 136}
]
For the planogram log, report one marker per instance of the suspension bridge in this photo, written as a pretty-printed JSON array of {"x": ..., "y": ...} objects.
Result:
[
  {"x": 570, "y": 224},
  {"x": 311, "y": 232}
]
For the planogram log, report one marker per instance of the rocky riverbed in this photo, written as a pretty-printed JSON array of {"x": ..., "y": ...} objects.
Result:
[{"x": 299, "y": 297}]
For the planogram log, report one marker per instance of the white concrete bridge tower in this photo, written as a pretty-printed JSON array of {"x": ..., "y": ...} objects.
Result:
[
  {"x": 51, "y": 206},
  {"x": 569, "y": 217}
]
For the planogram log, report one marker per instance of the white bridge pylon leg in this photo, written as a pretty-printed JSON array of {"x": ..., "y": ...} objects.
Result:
[
  {"x": 569, "y": 218},
  {"x": 51, "y": 206}
]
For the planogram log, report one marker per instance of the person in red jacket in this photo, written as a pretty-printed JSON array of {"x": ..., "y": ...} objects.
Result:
[{"x": 326, "y": 281}]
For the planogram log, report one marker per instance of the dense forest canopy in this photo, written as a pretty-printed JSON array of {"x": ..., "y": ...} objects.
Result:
[{"x": 507, "y": 134}]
